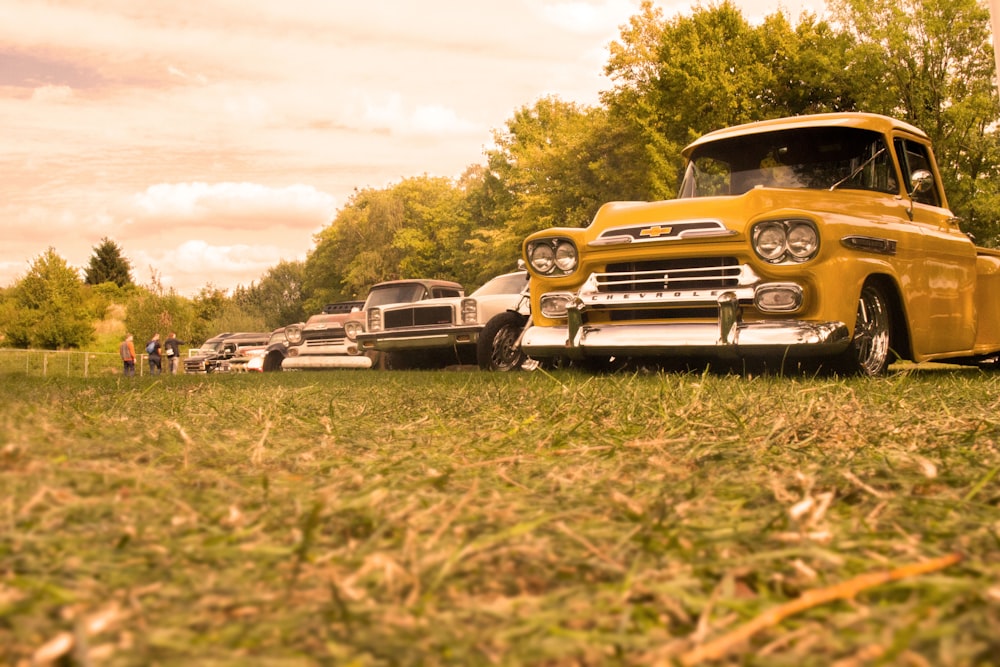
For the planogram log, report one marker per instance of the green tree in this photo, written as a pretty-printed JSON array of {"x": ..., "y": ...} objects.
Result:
[
  {"x": 277, "y": 298},
  {"x": 149, "y": 311},
  {"x": 674, "y": 80},
  {"x": 417, "y": 228},
  {"x": 108, "y": 265},
  {"x": 930, "y": 62},
  {"x": 232, "y": 318},
  {"x": 47, "y": 308},
  {"x": 557, "y": 162}
]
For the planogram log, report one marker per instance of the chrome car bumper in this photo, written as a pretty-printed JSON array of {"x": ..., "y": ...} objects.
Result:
[
  {"x": 320, "y": 362},
  {"x": 728, "y": 338}
]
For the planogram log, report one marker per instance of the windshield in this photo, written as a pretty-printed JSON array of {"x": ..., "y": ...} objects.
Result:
[
  {"x": 512, "y": 283},
  {"x": 819, "y": 158},
  {"x": 405, "y": 293},
  {"x": 209, "y": 347}
]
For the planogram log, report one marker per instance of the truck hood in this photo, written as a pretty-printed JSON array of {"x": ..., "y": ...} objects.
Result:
[{"x": 706, "y": 217}]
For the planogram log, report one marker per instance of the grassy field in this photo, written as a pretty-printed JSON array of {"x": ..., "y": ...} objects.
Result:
[{"x": 465, "y": 518}]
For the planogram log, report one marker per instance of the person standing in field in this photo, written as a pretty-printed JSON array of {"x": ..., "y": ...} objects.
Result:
[
  {"x": 172, "y": 348},
  {"x": 153, "y": 350},
  {"x": 127, "y": 352}
]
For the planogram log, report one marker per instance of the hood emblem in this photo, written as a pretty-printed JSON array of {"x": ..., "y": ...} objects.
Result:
[{"x": 656, "y": 231}]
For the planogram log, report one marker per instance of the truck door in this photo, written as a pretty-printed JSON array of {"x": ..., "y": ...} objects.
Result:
[{"x": 943, "y": 314}]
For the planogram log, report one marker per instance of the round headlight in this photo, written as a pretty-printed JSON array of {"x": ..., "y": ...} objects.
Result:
[
  {"x": 803, "y": 241},
  {"x": 542, "y": 257},
  {"x": 352, "y": 329},
  {"x": 769, "y": 241},
  {"x": 566, "y": 257},
  {"x": 293, "y": 334}
]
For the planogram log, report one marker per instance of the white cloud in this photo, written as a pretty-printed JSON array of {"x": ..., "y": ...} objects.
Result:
[
  {"x": 588, "y": 18},
  {"x": 248, "y": 205},
  {"x": 196, "y": 263},
  {"x": 390, "y": 112},
  {"x": 52, "y": 94}
]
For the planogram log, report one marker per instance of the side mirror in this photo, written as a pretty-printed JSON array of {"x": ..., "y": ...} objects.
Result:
[{"x": 921, "y": 182}]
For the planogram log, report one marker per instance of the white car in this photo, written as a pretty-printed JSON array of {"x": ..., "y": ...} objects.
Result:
[{"x": 483, "y": 328}]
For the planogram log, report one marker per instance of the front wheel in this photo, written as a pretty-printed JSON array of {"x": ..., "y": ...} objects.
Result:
[
  {"x": 272, "y": 362},
  {"x": 870, "y": 349},
  {"x": 498, "y": 349}
]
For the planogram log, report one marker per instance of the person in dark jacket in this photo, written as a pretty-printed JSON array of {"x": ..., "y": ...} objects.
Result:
[
  {"x": 172, "y": 348},
  {"x": 153, "y": 350}
]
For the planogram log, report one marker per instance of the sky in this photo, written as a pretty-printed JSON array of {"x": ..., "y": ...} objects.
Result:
[{"x": 212, "y": 139}]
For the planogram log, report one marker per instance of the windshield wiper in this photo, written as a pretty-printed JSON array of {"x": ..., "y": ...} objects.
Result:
[{"x": 858, "y": 170}]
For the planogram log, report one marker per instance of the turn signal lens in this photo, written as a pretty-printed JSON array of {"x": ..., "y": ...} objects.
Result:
[{"x": 553, "y": 304}]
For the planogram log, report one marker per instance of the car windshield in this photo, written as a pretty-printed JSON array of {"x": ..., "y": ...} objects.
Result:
[
  {"x": 512, "y": 283},
  {"x": 404, "y": 293},
  {"x": 210, "y": 348},
  {"x": 823, "y": 158}
]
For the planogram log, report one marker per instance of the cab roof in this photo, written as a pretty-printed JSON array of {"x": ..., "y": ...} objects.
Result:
[{"x": 865, "y": 121}]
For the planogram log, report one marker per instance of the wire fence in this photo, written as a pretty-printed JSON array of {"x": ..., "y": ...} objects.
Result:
[{"x": 66, "y": 363}]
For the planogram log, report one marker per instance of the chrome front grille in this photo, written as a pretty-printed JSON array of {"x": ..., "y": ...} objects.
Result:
[
  {"x": 674, "y": 288},
  {"x": 326, "y": 339},
  {"x": 696, "y": 273},
  {"x": 420, "y": 316}
]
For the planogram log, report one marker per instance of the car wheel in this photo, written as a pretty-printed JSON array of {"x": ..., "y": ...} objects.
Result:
[
  {"x": 379, "y": 359},
  {"x": 498, "y": 349},
  {"x": 870, "y": 349},
  {"x": 272, "y": 362}
]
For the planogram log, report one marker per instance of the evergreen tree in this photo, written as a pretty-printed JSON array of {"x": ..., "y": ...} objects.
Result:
[{"x": 108, "y": 265}]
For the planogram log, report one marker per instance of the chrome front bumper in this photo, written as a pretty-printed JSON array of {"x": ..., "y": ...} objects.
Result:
[
  {"x": 321, "y": 362},
  {"x": 728, "y": 338}
]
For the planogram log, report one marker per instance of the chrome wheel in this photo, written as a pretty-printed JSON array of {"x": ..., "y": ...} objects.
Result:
[
  {"x": 870, "y": 347},
  {"x": 498, "y": 348}
]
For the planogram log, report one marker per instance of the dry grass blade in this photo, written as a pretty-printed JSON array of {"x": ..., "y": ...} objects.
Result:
[{"x": 721, "y": 646}]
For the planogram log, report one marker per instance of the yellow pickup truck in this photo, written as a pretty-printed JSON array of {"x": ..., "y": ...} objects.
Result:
[{"x": 822, "y": 240}]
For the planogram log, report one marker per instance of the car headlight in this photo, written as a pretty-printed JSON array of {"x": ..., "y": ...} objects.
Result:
[
  {"x": 803, "y": 240},
  {"x": 293, "y": 334},
  {"x": 778, "y": 241},
  {"x": 552, "y": 256},
  {"x": 352, "y": 328},
  {"x": 469, "y": 311},
  {"x": 374, "y": 320}
]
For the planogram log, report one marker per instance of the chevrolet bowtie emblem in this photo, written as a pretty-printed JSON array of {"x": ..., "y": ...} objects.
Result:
[{"x": 656, "y": 231}]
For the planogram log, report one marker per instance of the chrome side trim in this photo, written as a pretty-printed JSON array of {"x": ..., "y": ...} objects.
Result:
[{"x": 873, "y": 244}]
